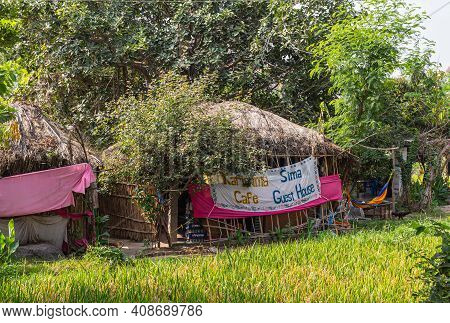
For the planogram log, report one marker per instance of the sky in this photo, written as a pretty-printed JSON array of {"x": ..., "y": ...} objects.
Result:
[{"x": 437, "y": 27}]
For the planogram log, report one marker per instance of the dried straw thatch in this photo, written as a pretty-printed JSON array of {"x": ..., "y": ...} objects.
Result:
[
  {"x": 278, "y": 136},
  {"x": 40, "y": 143},
  {"x": 274, "y": 133}
]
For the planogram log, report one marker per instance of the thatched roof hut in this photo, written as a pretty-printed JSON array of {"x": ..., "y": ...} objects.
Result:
[
  {"x": 40, "y": 143},
  {"x": 276, "y": 134},
  {"x": 283, "y": 143}
]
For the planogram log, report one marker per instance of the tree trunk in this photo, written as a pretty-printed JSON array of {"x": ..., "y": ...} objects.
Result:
[
  {"x": 172, "y": 217},
  {"x": 168, "y": 220},
  {"x": 435, "y": 168}
]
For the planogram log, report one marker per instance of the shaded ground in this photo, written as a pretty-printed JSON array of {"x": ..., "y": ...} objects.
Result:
[{"x": 139, "y": 249}]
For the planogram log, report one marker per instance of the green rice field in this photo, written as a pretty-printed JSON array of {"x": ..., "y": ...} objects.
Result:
[{"x": 371, "y": 264}]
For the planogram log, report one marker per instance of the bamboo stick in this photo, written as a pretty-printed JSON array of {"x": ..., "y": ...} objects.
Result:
[
  {"x": 209, "y": 229},
  {"x": 220, "y": 229}
]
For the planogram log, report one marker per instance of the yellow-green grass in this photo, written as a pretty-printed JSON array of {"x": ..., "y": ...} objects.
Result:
[{"x": 373, "y": 264}]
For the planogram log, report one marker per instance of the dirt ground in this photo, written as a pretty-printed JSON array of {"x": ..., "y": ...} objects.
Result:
[{"x": 135, "y": 249}]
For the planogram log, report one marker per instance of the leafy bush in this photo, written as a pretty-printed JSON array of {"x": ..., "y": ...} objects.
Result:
[
  {"x": 165, "y": 138},
  {"x": 113, "y": 256},
  {"x": 8, "y": 244},
  {"x": 436, "y": 269},
  {"x": 241, "y": 237},
  {"x": 440, "y": 191},
  {"x": 101, "y": 229}
]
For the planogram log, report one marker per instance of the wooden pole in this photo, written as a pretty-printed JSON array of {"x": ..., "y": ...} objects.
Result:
[
  {"x": 220, "y": 228},
  {"x": 209, "y": 229},
  {"x": 226, "y": 228}
]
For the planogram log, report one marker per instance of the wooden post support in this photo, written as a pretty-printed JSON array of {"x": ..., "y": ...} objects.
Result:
[
  {"x": 94, "y": 195},
  {"x": 220, "y": 228},
  {"x": 209, "y": 229}
]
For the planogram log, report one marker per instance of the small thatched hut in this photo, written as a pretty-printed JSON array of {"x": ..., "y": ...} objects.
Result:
[
  {"x": 278, "y": 136},
  {"x": 285, "y": 142},
  {"x": 40, "y": 143}
]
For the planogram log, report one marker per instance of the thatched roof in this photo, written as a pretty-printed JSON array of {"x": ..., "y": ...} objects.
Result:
[
  {"x": 40, "y": 143},
  {"x": 275, "y": 133},
  {"x": 278, "y": 136}
]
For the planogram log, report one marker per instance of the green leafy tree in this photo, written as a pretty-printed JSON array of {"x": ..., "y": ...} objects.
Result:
[
  {"x": 85, "y": 54},
  {"x": 10, "y": 71},
  {"x": 360, "y": 53},
  {"x": 8, "y": 81},
  {"x": 170, "y": 141},
  {"x": 371, "y": 106}
]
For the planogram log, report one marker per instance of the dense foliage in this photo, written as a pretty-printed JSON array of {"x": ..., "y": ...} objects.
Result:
[
  {"x": 387, "y": 90},
  {"x": 87, "y": 53},
  {"x": 169, "y": 140},
  {"x": 12, "y": 73},
  {"x": 8, "y": 74},
  {"x": 8, "y": 244},
  {"x": 436, "y": 268}
]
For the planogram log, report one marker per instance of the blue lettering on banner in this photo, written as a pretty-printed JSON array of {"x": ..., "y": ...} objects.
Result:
[
  {"x": 290, "y": 176},
  {"x": 302, "y": 192},
  {"x": 276, "y": 189},
  {"x": 282, "y": 198}
]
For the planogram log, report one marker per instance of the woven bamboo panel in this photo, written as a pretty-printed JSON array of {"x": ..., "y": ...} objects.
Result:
[{"x": 126, "y": 220}]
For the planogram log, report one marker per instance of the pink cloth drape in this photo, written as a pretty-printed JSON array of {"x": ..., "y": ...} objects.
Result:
[
  {"x": 43, "y": 191},
  {"x": 203, "y": 204}
]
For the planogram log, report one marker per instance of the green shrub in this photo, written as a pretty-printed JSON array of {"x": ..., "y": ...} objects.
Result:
[
  {"x": 436, "y": 269},
  {"x": 113, "y": 256},
  {"x": 440, "y": 191},
  {"x": 101, "y": 228},
  {"x": 8, "y": 244}
]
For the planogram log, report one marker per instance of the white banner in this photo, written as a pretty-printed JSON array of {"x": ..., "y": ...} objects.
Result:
[{"x": 276, "y": 189}]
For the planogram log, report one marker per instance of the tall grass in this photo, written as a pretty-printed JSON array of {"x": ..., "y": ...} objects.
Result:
[{"x": 371, "y": 265}]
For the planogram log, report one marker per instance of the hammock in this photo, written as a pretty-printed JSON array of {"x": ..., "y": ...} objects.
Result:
[{"x": 376, "y": 201}]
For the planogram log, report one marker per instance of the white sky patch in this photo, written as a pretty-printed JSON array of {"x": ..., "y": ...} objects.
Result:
[{"x": 437, "y": 27}]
